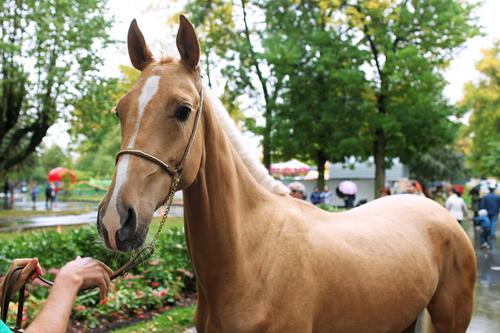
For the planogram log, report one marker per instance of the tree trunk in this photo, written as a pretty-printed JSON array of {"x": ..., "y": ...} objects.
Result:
[
  {"x": 320, "y": 163},
  {"x": 379, "y": 156},
  {"x": 266, "y": 140}
]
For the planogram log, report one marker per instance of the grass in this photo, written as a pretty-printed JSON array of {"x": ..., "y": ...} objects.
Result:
[
  {"x": 174, "y": 321},
  {"x": 5, "y": 214}
]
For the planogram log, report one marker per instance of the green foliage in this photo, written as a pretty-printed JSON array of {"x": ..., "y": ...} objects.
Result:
[
  {"x": 439, "y": 163},
  {"x": 409, "y": 43},
  {"x": 176, "y": 320},
  {"x": 483, "y": 99},
  {"x": 322, "y": 105},
  {"x": 48, "y": 53},
  {"x": 97, "y": 128},
  {"x": 341, "y": 78},
  {"x": 37, "y": 166},
  {"x": 158, "y": 283}
]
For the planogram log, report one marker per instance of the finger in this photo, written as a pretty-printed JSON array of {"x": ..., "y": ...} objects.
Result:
[
  {"x": 103, "y": 290},
  {"x": 108, "y": 281},
  {"x": 108, "y": 270},
  {"x": 28, "y": 270},
  {"x": 20, "y": 262},
  {"x": 38, "y": 269}
]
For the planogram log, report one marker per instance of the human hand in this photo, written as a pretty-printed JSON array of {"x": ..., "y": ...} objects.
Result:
[
  {"x": 31, "y": 269},
  {"x": 86, "y": 273}
]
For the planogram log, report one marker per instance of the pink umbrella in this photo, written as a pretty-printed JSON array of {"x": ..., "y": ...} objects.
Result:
[{"x": 348, "y": 187}]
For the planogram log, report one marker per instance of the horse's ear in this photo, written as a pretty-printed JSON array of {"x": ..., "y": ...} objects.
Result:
[
  {"x": 187, "y": 43},
  {"x": 138, "y": 51}
]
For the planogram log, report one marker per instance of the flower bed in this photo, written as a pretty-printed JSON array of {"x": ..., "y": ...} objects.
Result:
[{"x": 151, "y": 287}]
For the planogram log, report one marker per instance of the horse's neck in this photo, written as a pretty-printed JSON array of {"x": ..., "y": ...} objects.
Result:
[{"x": 220, "y": 207}]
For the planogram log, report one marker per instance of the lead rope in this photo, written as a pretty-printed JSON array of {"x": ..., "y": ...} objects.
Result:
[{"x": 147, "y": 251}]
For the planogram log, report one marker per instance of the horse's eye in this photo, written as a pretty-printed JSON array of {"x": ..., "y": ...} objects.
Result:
[{"x": 182, "y": 113}]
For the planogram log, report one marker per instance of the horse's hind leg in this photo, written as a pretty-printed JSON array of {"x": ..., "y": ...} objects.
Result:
[
  {"x": 451, "y": 305},
  {"x": 411, "y": 328}
]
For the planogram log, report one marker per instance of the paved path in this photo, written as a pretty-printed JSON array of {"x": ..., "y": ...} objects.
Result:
[{"x": 23, "y": 223}]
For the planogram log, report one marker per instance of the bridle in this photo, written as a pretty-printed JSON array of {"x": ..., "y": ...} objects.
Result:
[{"x": 139, "y": 256}]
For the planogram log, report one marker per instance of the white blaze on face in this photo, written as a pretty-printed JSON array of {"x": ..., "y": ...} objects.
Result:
[{"x": 111, "y": 218}]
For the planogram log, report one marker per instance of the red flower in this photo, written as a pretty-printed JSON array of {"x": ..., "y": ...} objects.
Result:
[
  {"x": 104, "y": 301},
  {"x": 155, "y": 284},
  {"x": 163, "y": 293},
  {"x": 80, "y": 308}
]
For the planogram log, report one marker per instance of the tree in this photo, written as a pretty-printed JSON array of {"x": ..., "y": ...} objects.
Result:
[
  {"x": 95, "y": 127},
  {"x": 321, "y": 107},
  {"x": 439, "y": 163},
  {"x": 37, "y": 165},
  {"x": 410, "y": 41},
  {"x": 483, "y": 99},
  {"x": 237, "y": 47},
  {"x": 48, "y": 52}
]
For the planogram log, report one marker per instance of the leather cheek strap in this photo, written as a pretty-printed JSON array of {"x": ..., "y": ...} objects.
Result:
[{"x": 8, "y": 287}]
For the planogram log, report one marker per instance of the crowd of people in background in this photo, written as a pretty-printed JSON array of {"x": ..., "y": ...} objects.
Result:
[{"x": 51, "y": 191}]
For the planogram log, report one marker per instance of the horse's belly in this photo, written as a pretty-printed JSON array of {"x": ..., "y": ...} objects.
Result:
[{"x": 374, "y": 285}]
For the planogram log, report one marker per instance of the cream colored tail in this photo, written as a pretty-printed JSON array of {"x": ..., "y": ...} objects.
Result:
[{"x": 424, "y": 323}]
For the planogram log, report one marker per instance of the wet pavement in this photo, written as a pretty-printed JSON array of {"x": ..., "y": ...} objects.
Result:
[
  {"x": 486, "y": 318},
  {"x": 89, "y": 217}
]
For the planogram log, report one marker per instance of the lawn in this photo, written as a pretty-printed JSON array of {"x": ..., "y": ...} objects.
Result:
[{"x": 176, "y": 320}]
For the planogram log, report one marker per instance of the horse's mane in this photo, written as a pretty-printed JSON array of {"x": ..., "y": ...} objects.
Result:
[{"x": 249, "y": 157}]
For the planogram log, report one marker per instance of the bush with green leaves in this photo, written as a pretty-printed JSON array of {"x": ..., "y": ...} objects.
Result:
[{"x": 158, "y": 283}]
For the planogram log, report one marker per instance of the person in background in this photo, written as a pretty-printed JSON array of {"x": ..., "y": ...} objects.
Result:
[
  {"x": 414, "y": 187},
  {"x": 484, "y": 222},
  {"x": 455, "y": 204},
  {"x": 491, "y": 202},
  {"x": 49, "y": 196},
  {"x": 326, "y": 195},
  {"x": 78, "y": 274},
  {"x": 297, "y": 190},
  {"x": 349, "y": 200},
  {"x": 385, "y": 192},
  {"x": 475, "y": 197},
  {"x": 316, "y": 196},
  {"x": 34, "y": 194}
]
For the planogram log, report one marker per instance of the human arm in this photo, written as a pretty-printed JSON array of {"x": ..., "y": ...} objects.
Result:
[{"x": 78, "y": 274}]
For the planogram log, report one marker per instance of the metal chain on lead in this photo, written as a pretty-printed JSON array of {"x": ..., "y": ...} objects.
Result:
[
  {"x": 168, "y": 203},
  {"x": 147, "y": 251}
]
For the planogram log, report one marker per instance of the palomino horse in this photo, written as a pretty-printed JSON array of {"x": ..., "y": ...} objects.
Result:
[{"x": 266, "y": 262}]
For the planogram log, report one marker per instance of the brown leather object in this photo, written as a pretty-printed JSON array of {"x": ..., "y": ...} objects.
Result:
[{"x": 7, "y": 293}]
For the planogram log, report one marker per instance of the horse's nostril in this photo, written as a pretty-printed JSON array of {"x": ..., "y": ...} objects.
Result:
[{"x": 129, "y": 226}]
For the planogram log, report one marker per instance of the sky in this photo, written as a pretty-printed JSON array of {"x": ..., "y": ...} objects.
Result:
[{"x": 153, "y": 16}]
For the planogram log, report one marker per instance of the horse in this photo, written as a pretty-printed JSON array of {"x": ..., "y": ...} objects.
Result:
[{"x": 265, "y": 261}]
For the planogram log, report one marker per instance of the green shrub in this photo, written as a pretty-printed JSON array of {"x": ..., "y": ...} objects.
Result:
[{"x": 158, "y": 283}]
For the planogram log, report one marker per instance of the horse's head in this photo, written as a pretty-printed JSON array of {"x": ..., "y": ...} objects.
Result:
[{"x": 157, "y": 116}]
